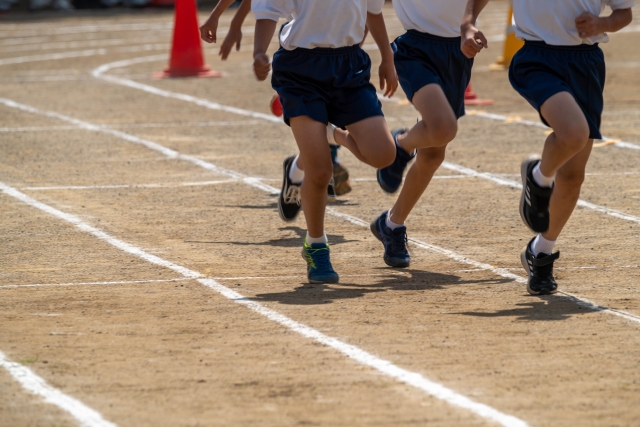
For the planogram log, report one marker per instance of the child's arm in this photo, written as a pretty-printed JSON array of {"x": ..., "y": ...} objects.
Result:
[
  {"x": 472, "y": 39},
  {"x": 590, "y": 25},
  {"x": 209, "y": 28},
  {"x": 387, "y": 70},
  {"x": 265, "y": 29},
  {"x": 234, "y": 36}
]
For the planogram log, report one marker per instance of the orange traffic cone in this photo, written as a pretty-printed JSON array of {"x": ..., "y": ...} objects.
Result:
[
  {"x": 186, "y": 51},
  {"x": 471, "y": 98}
]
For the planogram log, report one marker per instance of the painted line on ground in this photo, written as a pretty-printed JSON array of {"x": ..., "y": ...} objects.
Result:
[
  {"x": 384, "y": 366},
  {"x": 99, "y": 73},
  {"x": 52, "y": 56},
  {"x": 38, "y": 386},
  {"x": 123, "y": 282},
  {"x": 256, "y": 183},
  {"x": 136, "y": 126},
  {"x": 514, "y": 184},
  {"x": 132, "y": 186},
  {"x": 518, "y": 121}
]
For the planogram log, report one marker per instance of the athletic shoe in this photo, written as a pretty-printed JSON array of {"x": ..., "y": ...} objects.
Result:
[
  {"x": 394, "y": 242},
  {"x": 289, "y": 200},
  {"x": 319, "y": 269},
  {"x": 540, "y": 271},
  {"x": 341, "y": 179},
  {"x": 331, "y": 191},
  {"x": 534, "y": 202},
  {"x": 390, "y": 177}
]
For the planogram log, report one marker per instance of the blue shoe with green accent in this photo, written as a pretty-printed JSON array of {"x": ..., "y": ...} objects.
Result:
[{"x": 319, "y": 269}]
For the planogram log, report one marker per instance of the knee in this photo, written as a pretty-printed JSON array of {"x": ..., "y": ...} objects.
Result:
[
  {"x": 442, "y": 132},
  {"x": 319, "y": 175},
  {"x": 573, "y": 136},
  {"x": 570, "y": 178},
  {"x": 430, "y": 159},
  {"x": 385, "y": 157}
]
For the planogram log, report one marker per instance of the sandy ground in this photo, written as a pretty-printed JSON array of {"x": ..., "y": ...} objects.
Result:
[{"x": 145, "y": 346}]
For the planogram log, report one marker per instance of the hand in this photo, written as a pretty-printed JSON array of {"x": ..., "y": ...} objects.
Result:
[
  {"x": 261, "y": 66},
  {"x": 473, "y": 41},
  {"x": 208, "y": 30},
  {"x": 388, "y": 78},
  {"x": 234, "y": 37},
  {"x": 588, "y": 25}
]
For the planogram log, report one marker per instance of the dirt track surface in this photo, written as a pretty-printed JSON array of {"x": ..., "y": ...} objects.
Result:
[{"x": 144, "y": 345}]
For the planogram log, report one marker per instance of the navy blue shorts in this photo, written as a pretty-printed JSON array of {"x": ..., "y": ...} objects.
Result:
[
  {"x": 423, "y": 59},
  {"x": 538, "y": 71},
  {"x": 329, "y": 85}
]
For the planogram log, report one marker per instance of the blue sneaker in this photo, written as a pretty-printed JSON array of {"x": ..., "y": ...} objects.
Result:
[
  {"x": 319, "y": 269},
  {"x": 394, "y": 241},
  {"x": 390, "y": 177}
]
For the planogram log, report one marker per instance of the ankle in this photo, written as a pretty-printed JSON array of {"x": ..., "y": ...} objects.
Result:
[
  {"x": 541, "y": 179},
  {"x": 311, "y": 240}
]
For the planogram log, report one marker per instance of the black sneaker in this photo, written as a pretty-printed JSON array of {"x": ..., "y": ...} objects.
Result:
[
  {"x": 289, "y": 200},
  {"x": 390, "y": 177},
  {"x": 394, "y": 242},
  {"x": 540, "y": 271},
  {"x": 534, "y": 202}
]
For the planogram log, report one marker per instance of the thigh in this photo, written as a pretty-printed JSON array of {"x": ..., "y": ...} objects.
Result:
[
  {"x": 562, "y": 112},
  {"x": 373, "y": 137},
  {"x": 311, "y": 137},
  {"x": 434, "y": 107}
]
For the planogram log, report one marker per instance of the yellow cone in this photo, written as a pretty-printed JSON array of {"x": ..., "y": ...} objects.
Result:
[{"x": 511, "y": 46}]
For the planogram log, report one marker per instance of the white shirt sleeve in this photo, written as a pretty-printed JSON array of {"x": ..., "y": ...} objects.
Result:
[
  {"x": 272, "y": 9},
  {"x": 621, "y": 4},
  {"x": 374, "y": 7}
]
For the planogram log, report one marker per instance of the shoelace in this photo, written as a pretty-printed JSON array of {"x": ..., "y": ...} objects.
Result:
[
  {"x": 399, "y": 242},
  {"x": 543, "y": 272},
  {"x": 292, "y": 195},
  {"x": 320, "y": 258}
]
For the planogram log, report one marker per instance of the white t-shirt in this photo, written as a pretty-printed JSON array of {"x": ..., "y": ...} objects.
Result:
[
  {"x": 318, "y": 23},
  {"x": 438, "y": 17},
  {"x": 553, "y": 21}
]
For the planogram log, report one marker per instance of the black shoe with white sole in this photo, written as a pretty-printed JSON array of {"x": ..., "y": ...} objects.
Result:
[
  {"x": 289, "y": 200},
  {"x": 534, "y": 202},
  {"x": 540, "y": 271}
]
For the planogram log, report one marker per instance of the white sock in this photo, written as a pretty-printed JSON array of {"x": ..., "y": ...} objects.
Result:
[
  {"x": 540, "y": 179},
  {"x": 392, "y": 225},
  {"x": 330, "y": 134},
  {"x": 311, "y": 240},
  {"x": 540, "y": 244},
  {"x": 296, "y": 175}
]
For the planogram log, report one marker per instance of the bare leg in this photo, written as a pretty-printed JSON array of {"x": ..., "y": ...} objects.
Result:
[
  {"x": 311, "y": 137},
  {"x": 566, "y": 192},
  {"x": 369, "y": 140},
  {"x": 570, "y": 132},
  {"x": 430, "y": 136},
  {"x": 438, "y": 126}
]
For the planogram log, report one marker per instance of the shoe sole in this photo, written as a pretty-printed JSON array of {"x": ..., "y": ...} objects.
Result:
[
  {"x": 525, "y": 265},
  {"x": 523, "y": 174},
  {"x": 284, "y": 174},
  {"x": 400, "y": 264},
  {"x": 332, "y": 281}
]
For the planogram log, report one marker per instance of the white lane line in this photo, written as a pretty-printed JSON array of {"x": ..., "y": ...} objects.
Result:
[
  {"x": 514, "y": 184},
  {"x": 51, "y": 56},
  {"x": 124, "y": 282},
  {"x": 99, "y": 73},
  {"x": 38, "y": 386},
  {"x": 384, "y": 366},
  {"x": 257, "y": 183},
  {"x": 109, "y": 187},
  {"x": 518, "y": 121},
  {"x": 137, "y": 126}
]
